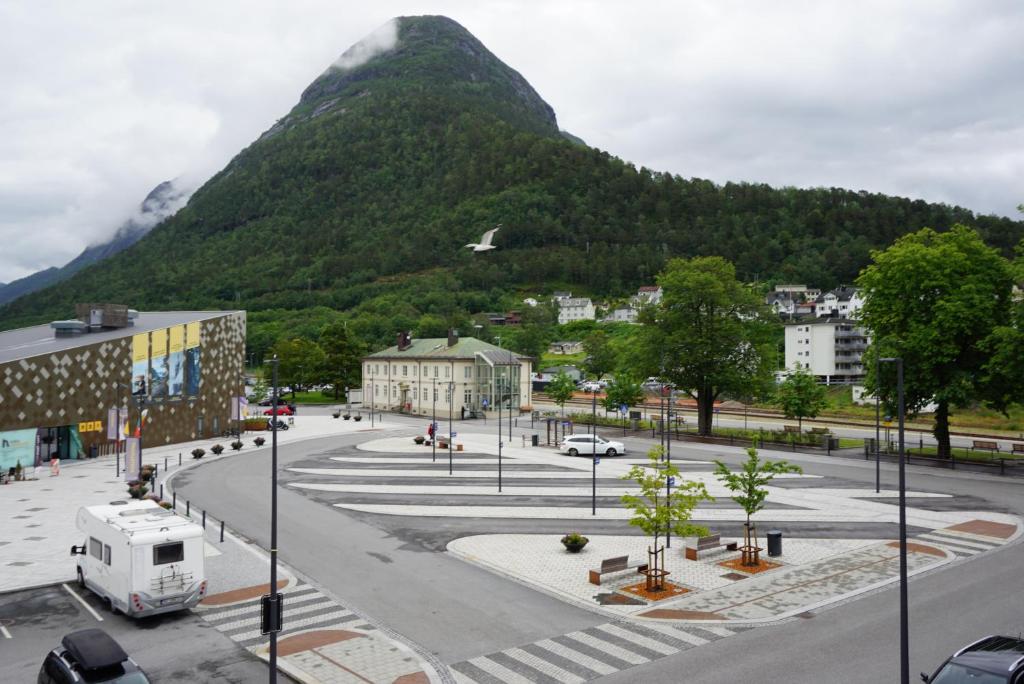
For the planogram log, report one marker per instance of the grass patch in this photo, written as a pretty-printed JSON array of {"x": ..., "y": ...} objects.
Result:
[
  {"x": 963, "y": 454},
  {"x": 547, "y": 359},
  {"x": 315, "y": 397}
]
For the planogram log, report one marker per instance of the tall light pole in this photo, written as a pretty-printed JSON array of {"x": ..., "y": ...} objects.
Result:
[
  {"x": 497, "y": 385},
  {"x": 433, "y": 423},
  {"x": 273, "y": 526},
  {"x": 451, "y": 419},
  {"x": 878, "y": 416},
  {"x": 904, "y": 606},
  {"x": 593, "y": 450},
  {"x": 668, "y": 464}
]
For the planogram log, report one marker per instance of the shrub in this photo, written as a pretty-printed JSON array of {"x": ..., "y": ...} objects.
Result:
[
  {"x": 259, "y": 441},
  {"x": 198, "y": 453},
  {"x": 236, "y": 445},
  {"x": 165, "y": 504},
  {"x": 419, "y": 439},
  {"x": 216, "y": 449},
  {"x": 137, "y": 490},
  {"x": 574, "y": 539}
]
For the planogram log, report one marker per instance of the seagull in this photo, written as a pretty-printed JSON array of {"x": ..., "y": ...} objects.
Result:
[{"x": 485, "y": 240}]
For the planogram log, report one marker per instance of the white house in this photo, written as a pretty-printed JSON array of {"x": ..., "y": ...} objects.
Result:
[
  {"x": 622, "y": 314},
  {"x": 830, "y": 349},
  {"x": 446, "y": 377},
  {"x": 566, "y": 347},
  {"x": 648, "y": 294},
  {"x": 837, "y": 303},
  {"x": 576, "y": 309}
]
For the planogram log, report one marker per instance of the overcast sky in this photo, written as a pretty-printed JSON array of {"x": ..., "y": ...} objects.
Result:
[{"x": 103, "y": 100}]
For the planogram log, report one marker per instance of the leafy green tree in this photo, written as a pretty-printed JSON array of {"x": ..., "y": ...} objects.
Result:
[
  {"x": 710, "y": 335},
  {"x": 531, "y": 340},
  {"x": 561, "y": 389},
  {"x": 342, "y": 366},
  {"x": 624, "y": 389},
  {"x": 937, "y": 300},
  {"x": 299, "y": 362},
  {"x": 600, "y": 357},
  {"x": 659, "y": 510},
  {"x": 259, "y": 390},
  {"x": 800, "y": 396},
  {"x": 748, "y": 487}
]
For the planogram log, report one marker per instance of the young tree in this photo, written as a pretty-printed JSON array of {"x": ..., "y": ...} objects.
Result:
[
  {"x": 343, "y": 355},
  {"x": 658, "y": 509},
  {"x": 748, "y": 487},
  {"x": 561, "y": 389},
  {"x": 800, "y": 396},
  {"x": 624, "y": 389},
  {"x": 936, "y": 300},
  {"x": 709, "y": 335}
]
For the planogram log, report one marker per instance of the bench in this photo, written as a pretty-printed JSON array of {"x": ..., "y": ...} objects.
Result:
[
  {"x": 1017, "y": 449},
  {"x": 791, "y": 428},
  {"x": 617, "y": 564},
  {"x": 712, "y": 541},
  {"x": 983, "y": 445}
]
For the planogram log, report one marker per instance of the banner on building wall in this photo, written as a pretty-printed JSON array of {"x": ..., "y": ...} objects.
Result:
[
  {"x": 18, "y": 446},
  {"x": 132, "y": 458},
  {"x": 158, "y": 370},
  {"x": 193, "y": 369},
  {"x": 140, "y": 364},
  {"x": 239, "y": 408},
  {"x": 176, "y": 362}
]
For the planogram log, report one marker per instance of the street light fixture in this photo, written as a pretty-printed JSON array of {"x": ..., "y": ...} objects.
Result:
[{"x": 904, "y": 607}]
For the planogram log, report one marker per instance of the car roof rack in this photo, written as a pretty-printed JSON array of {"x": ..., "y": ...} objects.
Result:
[{"x": 94, "y": 649}]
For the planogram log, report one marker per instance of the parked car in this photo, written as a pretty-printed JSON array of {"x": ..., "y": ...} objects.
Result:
[
  {"x": 585, "y": 445},
  {"x": 282, "y": 410},
  {"x": 281, "y": 425},
  {"x": 89, "y": 655},
  {"x": 992, "y": 660}
]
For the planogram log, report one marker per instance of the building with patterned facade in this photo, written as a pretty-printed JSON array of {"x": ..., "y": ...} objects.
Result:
[{"x": 70, "y": 388}]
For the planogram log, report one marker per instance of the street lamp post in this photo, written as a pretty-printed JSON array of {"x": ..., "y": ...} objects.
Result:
[
  {"x": 497, "y": 384},
  {"x": 668, "y": 464},
  {"x": 273, "y": 523},
  {"x": 451, "y": 419},
  {"x": 593, "y": 451},
  {"x": 878, "y": 415},
  {"x": 904, "y": 606},
  {"x": 433, "y": 422}
]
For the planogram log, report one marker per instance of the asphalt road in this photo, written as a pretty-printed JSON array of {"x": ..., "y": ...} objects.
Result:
[
  {"x": 177, "y": 647},
  {"x": 458, "y": 611}
]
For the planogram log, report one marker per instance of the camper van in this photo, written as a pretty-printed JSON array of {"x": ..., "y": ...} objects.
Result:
[{"x": 140, "y": 558}]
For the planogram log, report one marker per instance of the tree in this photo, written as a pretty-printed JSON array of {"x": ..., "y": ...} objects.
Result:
[
  {"x": 299, "y": 360},
  {"x": 748, "y": 485},
  {"x": 710, "y": 335},
  {"x": 937, "y": 301},
  {"x": 532, "y": 340},
  {"x": 600, "y": 357},
  {"x": 561, "y": 389},
  {"x": 659, "y": 510},
  {"x": 343, "y": 355},
  {"x": 624, "y": 389},
  {"x": 800, "y": 396}
]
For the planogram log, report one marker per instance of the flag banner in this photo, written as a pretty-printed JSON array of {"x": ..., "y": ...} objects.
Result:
[
  {"x": 140, "y": 364},
  {"x": 112, "y": 426},
  {"x": 132, "y": 459}
]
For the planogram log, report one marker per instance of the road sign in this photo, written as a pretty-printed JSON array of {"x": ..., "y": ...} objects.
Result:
[
  {"x": 597, "y": 460},
  {"x": 271, "y": 613},
  {"x": 623, "y": 409},
  {"x": 671, "y": 481}
]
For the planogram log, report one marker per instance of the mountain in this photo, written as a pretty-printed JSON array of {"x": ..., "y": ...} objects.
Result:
[
  {"x": 358, "y": 203},
  {"x": 161, "y": 202}
]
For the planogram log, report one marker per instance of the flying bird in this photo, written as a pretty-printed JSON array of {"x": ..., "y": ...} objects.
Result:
[{"x": 485, "y": 240}]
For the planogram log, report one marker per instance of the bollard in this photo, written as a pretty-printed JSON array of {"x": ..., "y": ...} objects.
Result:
[
  {"x": 174, "y": 502},
  {"x": 188, "y": 508},
  {"x": 165, "y": 463},
  {"x": 118, "y": 466},
  {"x": 222, "y": 530},
  {"x": 161, "y": 491},
  {"x": 204, "y": 519},
  {"x": 179, "y": 458}
]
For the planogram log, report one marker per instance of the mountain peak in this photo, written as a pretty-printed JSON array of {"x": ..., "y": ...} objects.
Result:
[{"x": 426, "y": 53}]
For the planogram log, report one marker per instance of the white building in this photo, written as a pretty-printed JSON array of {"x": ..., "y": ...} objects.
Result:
[
  {"x": 830, "y": 349},
  {"x": 622, "y": 314},
  {"x": 648, "y": 294},
  {"x": 842, "y": 302},
  {"x": 576, "y": 309},
  {"x": 452, "y": 377}
]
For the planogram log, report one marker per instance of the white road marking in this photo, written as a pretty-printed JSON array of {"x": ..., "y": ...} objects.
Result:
[
  {"x": 82, "y": 601},
  {"x": 3, "y": 630}
]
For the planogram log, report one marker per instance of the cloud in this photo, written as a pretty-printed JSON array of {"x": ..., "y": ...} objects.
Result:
[{"x": 380, "y": 41}]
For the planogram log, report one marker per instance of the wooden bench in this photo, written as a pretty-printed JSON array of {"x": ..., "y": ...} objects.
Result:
[
  {"x": 791, "y": 428},
  {"x": 617, "y": 564},
  {"x": 1017, "y": 449},
  {"x": 983, "y": 445},
  {"x": 712, "y": 541}
]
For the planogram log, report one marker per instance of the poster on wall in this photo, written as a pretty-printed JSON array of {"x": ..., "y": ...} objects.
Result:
[
  {"x": 193, "y": 369},
  {"x": 17, "y": 446},
  {"x": 140, "y": 364},
  {"x": 176, "y": 362},
  {"x": 158, "y": 364}
]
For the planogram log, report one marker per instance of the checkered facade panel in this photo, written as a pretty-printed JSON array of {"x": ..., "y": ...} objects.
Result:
[{"x": 79, "y": 385}]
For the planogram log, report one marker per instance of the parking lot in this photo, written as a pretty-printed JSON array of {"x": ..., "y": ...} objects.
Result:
[{"x": 177, "y": 647}]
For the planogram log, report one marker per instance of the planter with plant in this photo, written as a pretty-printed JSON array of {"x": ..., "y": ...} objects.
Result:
[
  {"x": 146, "y": 472},
  {"x": 357, "y": 418},
  {"x": 216, "y": 449},
  {"x": 236, "y": 445},
  {"x": 19, "y": 472},
  {"x": 419, "y": 439},
  {"x": 198, "y": 453},
  {"x": 574, "y": 542},
  {"x": 337, "y": 414},
  {"x": 347, "y": 416},
  {"x": 259, "y": 441},
  {"x": 137, "y": 490}
]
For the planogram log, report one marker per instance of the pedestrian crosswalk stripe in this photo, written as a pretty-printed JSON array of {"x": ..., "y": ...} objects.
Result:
[
  {"x": 675, "y": 633},
  {"x": 545, "y": 666},
  {"x": 289, "y": 612},
  {"x": 527, "y": 670},
  {"x": 326, "y": 620},
  {"x": 951, "y": 545},
  {"x": 469, "y": 672},
  {"x": 502, "y": 673},
  {"x": 638, "y": 639},
  {"x": 956, "y": 539},
  {"x": 608, "y": 647},
  {"x": 291, "y": 601},
  {"x": 595, "y": 653},
  {"x": 716, "y": 630},
  {"x": 576, "y": 656}
]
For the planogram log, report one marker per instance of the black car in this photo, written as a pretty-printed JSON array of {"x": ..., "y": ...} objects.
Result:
[
  {"x": 992, "y": 660},
  {"x": 90, "y": 655}
]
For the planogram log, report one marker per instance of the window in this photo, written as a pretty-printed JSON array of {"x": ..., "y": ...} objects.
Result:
[
  {"x": 173, "y": 552},
  {"x": 435, "y": 371},
  {"x": 435, "y": 394},
  {"x": 95, "y": 548},
  {"x": 467, "y": 398},
  {"x": 447, "y": 372},
  {"x": 376, "y": 368},
  {"x": 415, "y": 392},
  {"x": 405, "y": 371},
  {"x": 394, "y": 391},
  {"x": 106, "y": 554},
  {"x": 467, "y": 372},
  {"x": 394, "y": 370}
]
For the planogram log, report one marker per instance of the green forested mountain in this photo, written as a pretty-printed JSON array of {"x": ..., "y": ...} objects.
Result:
[{"x": 361, "y": 198}]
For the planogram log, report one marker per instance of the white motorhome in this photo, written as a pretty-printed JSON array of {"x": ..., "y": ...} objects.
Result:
[{"x": 140, "y": 558}]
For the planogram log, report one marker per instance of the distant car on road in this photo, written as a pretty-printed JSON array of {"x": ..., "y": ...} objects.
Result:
[
  {"x": 282, "y": 410},
  {"x": 90, "y": 655},
  {"x": 585, "y": 445},
  {"x": 992, "y": 660}
]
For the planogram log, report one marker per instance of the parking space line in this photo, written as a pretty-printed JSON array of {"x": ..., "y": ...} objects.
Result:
[
  {"x": 82, "y": 601},
  {"x": 3, "y": 630}
]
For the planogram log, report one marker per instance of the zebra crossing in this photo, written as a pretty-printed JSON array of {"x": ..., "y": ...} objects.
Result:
[
  {"x": 963, "y": 544},
  {"x": 304, "y": 608},
  {"x": 587, "y": 654}
]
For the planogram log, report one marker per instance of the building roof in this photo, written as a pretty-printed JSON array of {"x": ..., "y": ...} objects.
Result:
[
  {"x": 39, "y": 339},
  {"x": 437, "y": 348},
  {"x": 649, "y": 288}
]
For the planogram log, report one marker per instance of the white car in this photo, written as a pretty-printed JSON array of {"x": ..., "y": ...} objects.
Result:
[{"x": 585, "y": 445}]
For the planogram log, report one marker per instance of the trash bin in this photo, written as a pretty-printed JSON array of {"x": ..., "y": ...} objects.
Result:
[
  {"x": 534, "y": 440},
  {"x": 774, "y": 543},
  {"x": 94, "y": 451}
]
